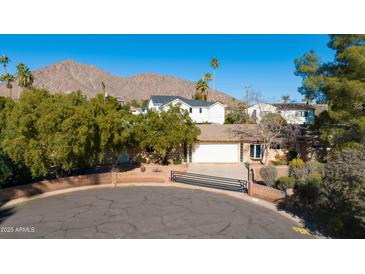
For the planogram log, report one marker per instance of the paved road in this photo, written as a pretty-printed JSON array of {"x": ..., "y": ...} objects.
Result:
[
  {"x": 234, "y": 170},
  {"x": 143, "y": 212}
]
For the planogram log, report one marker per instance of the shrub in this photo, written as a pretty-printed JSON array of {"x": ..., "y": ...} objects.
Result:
[
  {"x": 297, "y": 162},
  {"x": 344, "y": 188},
  {"x": 177, "y": 161},
  {"x": 309, "y": 189},
  {"x": 297, "y": 169},
  {"x": 314, "y": 168},
  {"x": 285, "y": 182},
  {"x": 268, "y": 175},
  {"x": 143, "y": 168}
]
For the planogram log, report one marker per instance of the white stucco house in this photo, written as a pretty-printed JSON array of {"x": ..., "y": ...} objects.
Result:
[
  {"x": 293, "y": 113},
  {"x": 200, "y": 111}
]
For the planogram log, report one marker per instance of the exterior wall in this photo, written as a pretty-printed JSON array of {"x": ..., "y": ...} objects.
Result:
[
  {"x": 216, "y": 114},
  {"x": 288, "y": 115},
  {"x": 259, "y": 108},
  {"x": 291, "y": 118},
  {"x": 195, "y": 115},
  {"x": 151, "y": 105},
  {"x": 213, "y": 114}
]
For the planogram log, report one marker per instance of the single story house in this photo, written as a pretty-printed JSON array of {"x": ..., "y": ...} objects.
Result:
[
  {"x": 293, "y": 113},
  {"x": 229, "y": 143},
  {"x": 200, "y": 111}
]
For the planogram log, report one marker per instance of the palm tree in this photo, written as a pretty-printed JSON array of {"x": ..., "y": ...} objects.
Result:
[
  {"x": 9, "y": 79},
  {"x": 201, "y": 87},
  {"x": 285, "y": 99},
  {"x": 214, "y": 64},
  {"x": 24, "y": 76},
  {"x": 207, "y": 77},
  {"x": 4, "y": 60}
]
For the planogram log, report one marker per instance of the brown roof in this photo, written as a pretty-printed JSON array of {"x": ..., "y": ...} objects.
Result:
[
  {"x": 293, "y": 106},
  {"x": 228, "y": 133}
]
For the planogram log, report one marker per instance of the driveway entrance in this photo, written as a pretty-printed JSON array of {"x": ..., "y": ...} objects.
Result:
[{"x": 235, "y": 171}]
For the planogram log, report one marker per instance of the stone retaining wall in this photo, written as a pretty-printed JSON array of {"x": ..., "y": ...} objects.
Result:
[
  {"x": 28, "y": 190},
  {"x": 126, "y": 174}
]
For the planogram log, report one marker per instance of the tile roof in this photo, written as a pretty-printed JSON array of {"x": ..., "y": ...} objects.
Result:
[
  {"x": 228, "y": 133},
  {"x": 165, "y": 99}
]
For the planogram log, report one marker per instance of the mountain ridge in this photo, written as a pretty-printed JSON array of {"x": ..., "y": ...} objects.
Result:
[{"x": 68, "y": 75}]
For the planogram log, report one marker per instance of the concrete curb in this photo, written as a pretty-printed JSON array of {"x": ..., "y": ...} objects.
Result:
[{"x": 237, "y": 195}]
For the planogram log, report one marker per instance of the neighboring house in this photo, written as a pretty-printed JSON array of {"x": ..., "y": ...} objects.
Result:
[
  {"x": 136, "y": 111},
  {"x": 200, "y": 111},
  {"x": 226, "y": 143},
  {"x": 293, "y": 113},
  {"x": 120, "y": 100}
]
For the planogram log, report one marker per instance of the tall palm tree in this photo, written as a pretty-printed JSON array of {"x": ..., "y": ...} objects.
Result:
[
  {"x": 4, "y": 60},
  {"x": 24, "y": 76},
  {"x": 214, "y": 63},
  {"x": 207, "y": 78},
  {"x": 8, "y": 79},
  {"x": 201, "y": 87}
]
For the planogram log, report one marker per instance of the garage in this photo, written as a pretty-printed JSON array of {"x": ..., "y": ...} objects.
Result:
[{"x": 215, "y": 153}]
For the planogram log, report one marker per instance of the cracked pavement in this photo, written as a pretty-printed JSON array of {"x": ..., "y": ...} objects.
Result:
[{"x": 144, "y": 212}]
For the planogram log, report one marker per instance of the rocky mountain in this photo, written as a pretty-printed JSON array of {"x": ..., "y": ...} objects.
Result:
[{"x": 68, "y": 76}]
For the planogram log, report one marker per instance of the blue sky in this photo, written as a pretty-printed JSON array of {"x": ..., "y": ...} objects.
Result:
[{"x": 266, "y": 62}]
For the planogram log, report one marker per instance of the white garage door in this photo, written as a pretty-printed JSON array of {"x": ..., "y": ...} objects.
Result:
[{"x": 215, "y": 153}]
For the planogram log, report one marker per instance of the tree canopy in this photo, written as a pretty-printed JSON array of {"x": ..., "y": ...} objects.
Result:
[
  {"x": 165, "y": 131},
  {"x": 340, "y": 83}
]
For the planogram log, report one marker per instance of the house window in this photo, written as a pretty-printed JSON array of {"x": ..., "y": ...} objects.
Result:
[
  {"x": 200, "y": 110},
  {"x": 241, "y": 152},
  {"x": 301, "y": 113},
  {"x": 191, "y": 110},
  {"x": 256, "y": 151}
]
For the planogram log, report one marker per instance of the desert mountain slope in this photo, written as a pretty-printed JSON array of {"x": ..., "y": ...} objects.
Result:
[{"x": 68, "y": 75}]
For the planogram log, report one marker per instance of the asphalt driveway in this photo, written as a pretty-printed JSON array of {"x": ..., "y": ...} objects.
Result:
[
  {"x": 235, "y": 170},
  {"x": 143, "y": 212}
]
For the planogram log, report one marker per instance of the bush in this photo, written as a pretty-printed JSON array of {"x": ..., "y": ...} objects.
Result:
[
  {"x": 285, "y": 182},
  {"x": 268, "y": 175},
  {"x": 309, "y": 190},
  {"x": 297, "y": 169},
  {"x": 177, "y": 161},
  {"x": 314, "y": 168},
  {"x": 297, "y": 162},
  {"x": 344, "y": 189}
]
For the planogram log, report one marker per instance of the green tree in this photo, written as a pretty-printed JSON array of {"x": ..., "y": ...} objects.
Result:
[
  {"x": 112, "y": 125},
  {"x": 164, "y": 132},
  {"x": 344, "y": 190},
  {"x": 207, "y": 77},
  {"x": 237, "y": 115},
  {"x": 285, "y": 99},
  {"x": 201, "y": 88},
  {"x": 4, "y": 60},
  {"x": 24, "y": 76},
  {"x": 214, "y": 63},
  {"x": 8, "y": 79},
  {"x": 342, "y": 84}
]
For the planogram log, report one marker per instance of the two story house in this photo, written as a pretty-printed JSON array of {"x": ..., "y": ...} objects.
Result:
[
  {"x": 200, "y": 111},
  {"x": 293, "y": 113}
]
